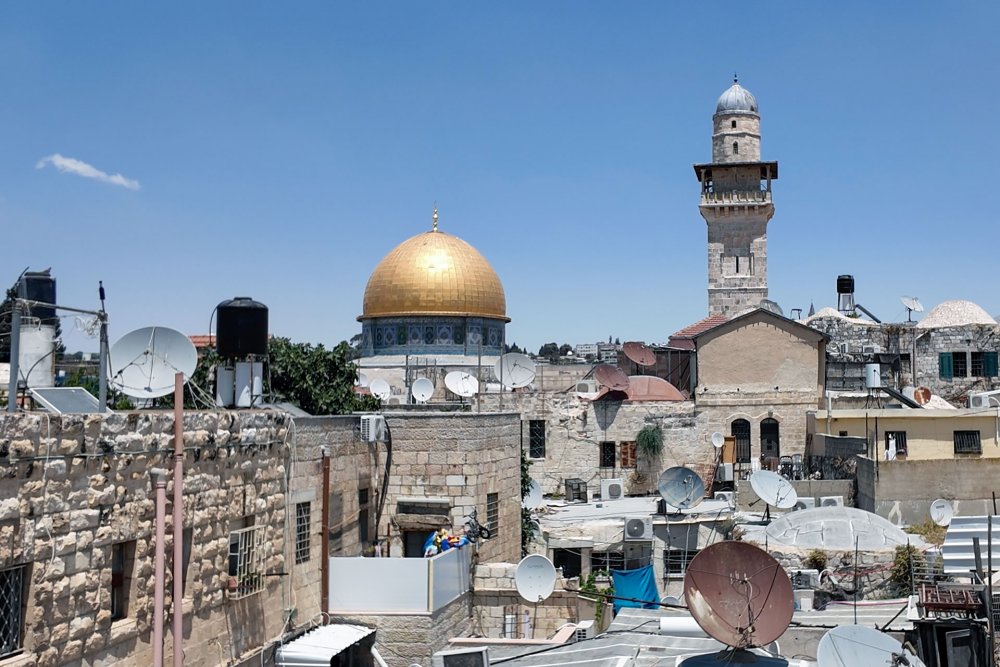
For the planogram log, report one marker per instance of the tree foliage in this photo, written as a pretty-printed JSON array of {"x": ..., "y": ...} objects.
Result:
[
  {"x": 318, "y": 380},
  {"x": 650, "y": 440},
  {"x": 529, "y": 524}
]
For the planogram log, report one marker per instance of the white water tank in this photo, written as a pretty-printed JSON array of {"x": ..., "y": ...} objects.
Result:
[
  {"x": 225, "y": 386},
  {"x": 36, "y": 359},
  {"x": 249, "y": 384},
  {"x": 873, "y": 376}
]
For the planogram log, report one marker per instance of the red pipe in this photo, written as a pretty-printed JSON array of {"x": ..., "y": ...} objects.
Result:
[
  {"x": 324, "y": 567},
  {"x": 160, "y": 481},
  {"x": 178, "y": 618}
]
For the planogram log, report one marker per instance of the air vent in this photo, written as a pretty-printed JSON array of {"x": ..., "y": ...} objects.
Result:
[
  {"x": 584, "y": 630},
  {"x": 639, "y": 528}
]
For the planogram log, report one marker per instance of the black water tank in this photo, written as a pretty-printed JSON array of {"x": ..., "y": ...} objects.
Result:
[
  {"x": 39, "y": 286},
  {"x": 242, "y": 328},
  {"x": 845, "y": 284}
]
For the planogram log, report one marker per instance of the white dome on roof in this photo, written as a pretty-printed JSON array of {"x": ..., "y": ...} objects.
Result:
[
  {"x": 956, "y": 313},
  {"x": 736, "y": 99}
]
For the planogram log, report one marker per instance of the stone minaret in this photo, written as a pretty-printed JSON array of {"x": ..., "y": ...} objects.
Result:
[{"x": 736, "y": 204}]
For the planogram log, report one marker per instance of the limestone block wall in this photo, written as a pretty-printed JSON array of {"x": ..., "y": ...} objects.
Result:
[
  {"x": 496, "y": 596},
  {"x": 73, "y": 486}
]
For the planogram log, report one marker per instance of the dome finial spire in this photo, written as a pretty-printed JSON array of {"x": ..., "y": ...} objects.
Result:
[
  {"x": 434, "y": 218},
  {"x": 736, "y": 79}
]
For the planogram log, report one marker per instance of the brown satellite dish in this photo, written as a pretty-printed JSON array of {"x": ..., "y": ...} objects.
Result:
[
  {"x": 611, "y": 377},
  {"x": 921, "y": 395},
  {"x": 639, "y": 353},
  {"x": 738, "y": 594}
]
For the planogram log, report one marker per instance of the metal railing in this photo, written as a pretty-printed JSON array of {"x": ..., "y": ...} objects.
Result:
[{"x": 246, "y": 562}]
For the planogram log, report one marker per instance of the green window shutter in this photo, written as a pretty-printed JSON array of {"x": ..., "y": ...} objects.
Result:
[
  {"x": 945, "y": 367},
  {"x": 990, "y": 364}
]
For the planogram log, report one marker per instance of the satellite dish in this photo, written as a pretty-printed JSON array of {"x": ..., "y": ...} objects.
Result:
[
  {"x": 611, "y": 377},
  {"x": 767, "y": 304},
  {"x": 640, "y": 353},
  {"x": 941, "y": 512},
  {"x": 921, "y": 395},
  {"x": 362, "y": 380},
  {"x": 672, "y": 600},
  {"x": 462, "y": 383},
  {"x": 853, "y": 645},
  {"x": 514, "y": 370},
  {"x": 380, "y": 388},
  {"x": 739, "y": 595},
  {"x": 718, "y": 440},
  {"x": 912, "y": 304},
  {"x": 681, "y": 487},
  {"x": 422, "y": 390},
  {"x": 535, "y": 578},
  {"x": 145, "y": 361},
  {"x": 534, "y": 498},
  {"x": 774, "y": 489}
]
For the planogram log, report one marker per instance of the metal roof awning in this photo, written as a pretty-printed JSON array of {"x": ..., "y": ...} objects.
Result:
[
  {"x": 705, "y": 170},
  {"x": 319, "y": 645}
]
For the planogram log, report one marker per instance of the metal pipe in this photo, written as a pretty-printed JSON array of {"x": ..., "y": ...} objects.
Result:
[
  {"x": 989, "y": 588},
  {"x": 378, "y": 657},
  {"x": 324, "y": 568},
  {"x": 160, "y": 482},
  {"x": 102, "y": 380},
  {"x": 178, "y": 595},
  {"x": 15, "y": 351}
]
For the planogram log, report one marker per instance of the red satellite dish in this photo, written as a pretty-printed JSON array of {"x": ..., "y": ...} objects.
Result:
[
  {"x": 611, "y": 377},
  {"x": 921, "y": 395},
  {"x": 739, "y": 595},
  {"x": 639, "y": 353}
]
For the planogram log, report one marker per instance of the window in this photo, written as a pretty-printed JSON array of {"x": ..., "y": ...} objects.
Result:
[
  {"x": 628, "y": 456},
  {"x": 303, "y": 531},
  {"x": 335, "y": 529},
  {"x": 740, "y": 430},
  {"x": 363, "y": 520},
  {"x": 13, "y": 582},
  {"x": 493, "y": 513},
  {"x": 536, "y": 438},
  {"x": 733, "y": 124},
  {"x": 968, "y": 442},
  {"x": 736, "y": 148},
  {"x": 983, "y": 364},
  {"x": 607, "y": 455},
  {"x": 945, "y": 369},
  {"x": 960, "y": 364},
  {"x": 607, "y": 561},
  {"x": 122, "y": 559},
  {"x": 569, "y": 560},
  {"x": 842, "y": 434},
  {"x": 675, "y": 561},
  {"x": 187, "y": 535},
  {"x": 246, "y": 561},
  {"x": 895, "y": 442}
]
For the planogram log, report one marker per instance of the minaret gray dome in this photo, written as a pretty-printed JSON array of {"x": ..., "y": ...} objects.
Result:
[{"x": 736, "y": 99}]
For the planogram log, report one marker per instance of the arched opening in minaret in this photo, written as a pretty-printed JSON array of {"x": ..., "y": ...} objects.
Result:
[
  {"x": 736, "y": 148},
  {"x": 733, "y": 124}
]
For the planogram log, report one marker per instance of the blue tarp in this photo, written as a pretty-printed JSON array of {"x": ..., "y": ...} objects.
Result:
[{"x": 638, "y": 584}]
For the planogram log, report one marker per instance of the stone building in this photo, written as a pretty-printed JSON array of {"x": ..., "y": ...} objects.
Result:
[{"x": 736, "y": 205}]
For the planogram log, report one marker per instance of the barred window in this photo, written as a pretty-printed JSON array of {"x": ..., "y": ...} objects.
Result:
[
  {"x": 536, "y": 438},
  {"x": 628, "y": 456},
  {"x": 363, "y": 520},
  {"x": 303, "y": 531},
  {"x": 493, "y": 513},
  {"x": 122, "y": 559},
  {"x": 740, "y": 429},
  {"x": 12, "y": 599},
  {"x": 895, "y": 442},
  {"x": 607, "y": 561},
  {"x": 246, "y": 562},
  {"x": 676, "y": 561},
  {"x": 607, "y": 455},
  {"x": 968, "y": 442}
]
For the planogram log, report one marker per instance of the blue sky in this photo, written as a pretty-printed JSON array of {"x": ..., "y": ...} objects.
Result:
[{"x": 279, "y": 151}]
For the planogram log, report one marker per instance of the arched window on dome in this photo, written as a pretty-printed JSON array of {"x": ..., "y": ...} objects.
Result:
[{"x": 736, "y": 148}]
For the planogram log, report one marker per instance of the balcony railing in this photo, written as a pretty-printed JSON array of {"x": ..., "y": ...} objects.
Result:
[{"x": 737, "y": 197}]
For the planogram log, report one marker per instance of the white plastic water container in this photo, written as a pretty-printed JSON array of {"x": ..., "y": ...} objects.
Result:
[
  {"x": 36, "y": 358},
  {"x": 225, "y": 386},
  {"x": 249, "y": 383}
]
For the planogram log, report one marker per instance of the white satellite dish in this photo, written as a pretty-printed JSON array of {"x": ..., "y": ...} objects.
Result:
[
  {"x": 514, "y": 370},
  {"x": 145, "y": 361},
  {"x": 912, "y": 306},
  {"x": 422, "y": 390},
  {"x": 362, "y": 380},
  {"x": 774, "y": 489},
  {"x": 534, "y": 498},
  {"x": 855, "y": 645},
  {"x": 462, "y": 383},
  {"x": 942, "y": 512},
  {"x": 380, "y": 389},
  {"x": 718, "y": 440},
  {"x": 535, "y": 578}
]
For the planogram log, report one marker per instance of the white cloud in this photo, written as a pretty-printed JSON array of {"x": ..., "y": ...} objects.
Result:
[{"x": 80, "y": 168}]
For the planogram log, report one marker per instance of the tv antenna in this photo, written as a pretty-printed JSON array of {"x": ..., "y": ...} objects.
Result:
[
  {"x": 380, "y": 389},
  {"x": 639, "y": 353},
  {"x": 774, "y": 490},
  {"x": 514, "y": 370},
  {"x": 853, "y": 645},
  {"x": 772, "y": 306},
  {"x": 912, "y": 305},
  {"x": 741, "y": 597},
  {"x": 535, "y": 579},
  {"x": 422, "y": 390},
  {"x": 362, "y": 380},
  {"x": 611, "y": 377},
  {"x": 534, "y": 498},
  {"x": 718, "y": 440},
  {"x": 681, "y": 487},
  {"x": 941, "y": 512},
  {"x": 461, "y": 383},
  {"x": 145, "y": 362}
]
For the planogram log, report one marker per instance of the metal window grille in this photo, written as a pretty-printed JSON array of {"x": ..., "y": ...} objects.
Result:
[
  {"x": 628, "y": 455},
  {"x": 11, "y": 610},
  {"x": 976, "y": 366},
  {"x": 119, "y": 590},
  {"x": 968, "y": 442},
  {"x": 536, "y": 438},
  {"x": 741, "y": 431},
  {"x": 246, "y": 562},
  {"x": 959, "y": 364},
  {"x": 607, "y": 561},
  {"x": 607, "y": 455},
  {"x": 493, "y": 513},
  {"x": 896, "y": 439},
  {"x": 303, "y": 531},
  {"x": 676, "y": 561}
]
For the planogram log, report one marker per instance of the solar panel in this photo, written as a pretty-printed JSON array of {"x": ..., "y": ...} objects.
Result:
[{"x": 66, "y": 400}]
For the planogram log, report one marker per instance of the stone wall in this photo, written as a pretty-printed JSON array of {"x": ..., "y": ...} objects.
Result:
[{"x": 496, "y": 596}]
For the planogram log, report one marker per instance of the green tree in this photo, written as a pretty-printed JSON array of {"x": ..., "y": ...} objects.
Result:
[
  {"x": 529, "y": 524},
  {"x": 318, "y": 380}
]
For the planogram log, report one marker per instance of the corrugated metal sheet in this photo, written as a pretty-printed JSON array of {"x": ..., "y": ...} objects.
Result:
[{"x": 957, "y": 549}]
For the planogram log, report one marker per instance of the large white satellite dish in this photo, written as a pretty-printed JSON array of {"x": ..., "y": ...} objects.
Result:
[
  {"x": 462, "y": 383},
  {"x": 942, "y": 512},
  {"x": 380, "y": 389},
  {"x": 514, "y": 370},
  {"x": 535, "y": 578},
  {"x": 143, "y": 362},
  {"x": 856, "y": 645},
  {"x": 718, "y": 440},
  {"x": 534, "y": 498},
  {"x": 774, "y": 489},
  {"x": 362, "y": 380},
  {"x": 422, "y": 390}
]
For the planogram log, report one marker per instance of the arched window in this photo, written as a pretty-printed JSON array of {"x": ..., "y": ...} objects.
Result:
[
  {"x": 733, "y": 125},
  {"x": 741, "y": 432},
  {"x": 770, "y": 438},
  {"x": 736, "y": 148}
]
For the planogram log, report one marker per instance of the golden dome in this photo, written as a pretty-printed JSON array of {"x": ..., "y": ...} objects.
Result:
[{"x": 434, "y": 274}]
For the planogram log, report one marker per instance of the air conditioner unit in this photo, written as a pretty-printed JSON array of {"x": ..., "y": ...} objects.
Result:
[
  {"x": 728, "y": 496},
  {"x": 724, "y": 473},
  {"x": 586, "y": 387},
  {"x": 985, "y": 399},
  {"x": 372, "y": 428},
  {"x": 612, "y": 489},
  {"x": 638, "y": 528},
  {"x": 804, "y": 579},
  {"x": 584, "y": 630},
  {"x": 871, "y": 349},
  {"x": 805, "y": 503},
  {"x": 462, "y": 657},
  {"x": 831, "y": 501},
  {"x": 576, "y": 490}
]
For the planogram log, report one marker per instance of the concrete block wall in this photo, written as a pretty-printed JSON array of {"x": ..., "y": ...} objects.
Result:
[{"x": 496, "y": 596}]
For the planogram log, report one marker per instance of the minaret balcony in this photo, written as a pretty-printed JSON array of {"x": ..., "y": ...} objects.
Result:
[{"x": 736, "y": 197}]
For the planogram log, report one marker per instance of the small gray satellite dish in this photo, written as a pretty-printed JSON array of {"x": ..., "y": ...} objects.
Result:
[
  {"x": 681, "y": 487},
  {"x": 144, "y": 362},
  {"x": 854, "y": 645},
  {"x": 767, "y": 304},
  {"x": 718, "y": 440},
  {"x": 422, "y": 390},
  {"x": 672, "y": 600},
  {"x": 774, "y": 489},
  {"x": 514, "y": 370},
  {"x": 535, "y": 578},
  {"x": 362, "y": 380},
  {"x": 534, "y": 498},
  {"x": 942, "y": 512},
  {"x": 912, "y": 304},
  {"x": 380, "y": 389},
  {"x": 462, "y": 383}
]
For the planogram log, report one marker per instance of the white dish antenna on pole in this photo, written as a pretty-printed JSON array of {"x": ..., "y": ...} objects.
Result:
[
  {"x": 718, "y": 440},
  {"x": 774, "y": 489},
  {"x": 856, "y": 645},
  {"x": 362, "y": 380},
  {"x": 422, "y": 390},
  {"x": 942, "y": 512},
  {"x": 462, "y": 384},
  {"x": 535, "y": 578},
  {"x": 380, "y": 389},
  {"x": 514, "y": 370},
  {"x": 144, "y": 362},
  {"x": 534, "y": 498}
]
